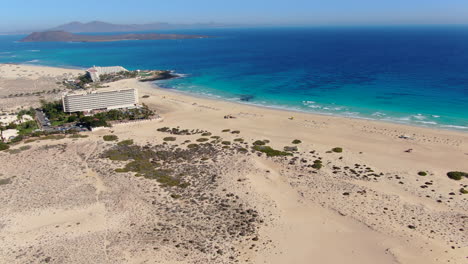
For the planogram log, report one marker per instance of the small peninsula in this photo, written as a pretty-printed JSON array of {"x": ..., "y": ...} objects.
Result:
[{"x": 62, "y": 36}]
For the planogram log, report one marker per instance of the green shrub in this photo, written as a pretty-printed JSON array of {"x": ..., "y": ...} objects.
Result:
[
  {"x": 127, "y": 142},
  {"x": 235, "y": 132},
  {"x": 192, "y": 146},
  {"x": 226, "y": 142},
  {"x": 169, "y": 139},
  {"x": 270, "y": 152},
  {"x": 259, "y": 143},
  {"x": 206, "y": 134},
  {"x": 145, "y": 96},
  {"x": 457, "y": 175},
  {"x": 5, "y": 181},
  {"x": 337, "y": 150},
  {"x": 239, "y": 140},
  {"x": 202, "y": 139},
  {"x": 110, "y": 138},
  {"x": 243, "y": 150},
  {"x": 463, "y": 191},
  {"x": 296, "y": 141},
  {"x": 225, "y": 130},
  {"x": 290, "y": 148},
  {"x": 216, "y": 137},
  {"x": 317, "y": 164},
  {"x": 4, "y": 146},
  {"x": 422, "y": 173}
]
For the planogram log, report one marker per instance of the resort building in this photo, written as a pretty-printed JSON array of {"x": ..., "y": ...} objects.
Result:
[
  {"x": 94, "y": 72},
  {"x": 99, "y": 100},
  {"x": 8, "y": 135},
  {"x": 7, "y": 119}
]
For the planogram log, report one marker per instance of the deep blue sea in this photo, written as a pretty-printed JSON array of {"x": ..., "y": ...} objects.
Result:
[{"x": 414, "y": 75}]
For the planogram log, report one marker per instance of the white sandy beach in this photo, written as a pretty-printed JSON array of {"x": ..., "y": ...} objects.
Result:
[{"x": 325, "y": 216}]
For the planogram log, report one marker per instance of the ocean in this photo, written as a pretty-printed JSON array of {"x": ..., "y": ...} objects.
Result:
[{"x": 403, "y": 74}]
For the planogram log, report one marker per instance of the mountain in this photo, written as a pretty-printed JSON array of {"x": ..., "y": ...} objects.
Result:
[
  {"x": 99, "y": 26},
  {"x": 62, "y": 36}
]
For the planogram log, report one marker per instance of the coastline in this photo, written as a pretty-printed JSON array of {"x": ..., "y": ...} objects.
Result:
[
  {"x": 292, "y": 110},
  {"x": 382, "y": 215}
]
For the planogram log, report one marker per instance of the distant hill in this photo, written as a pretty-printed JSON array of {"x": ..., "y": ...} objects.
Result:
[
  {"x": 99, "y": 26},
  {"x": 62, "y": 36}
]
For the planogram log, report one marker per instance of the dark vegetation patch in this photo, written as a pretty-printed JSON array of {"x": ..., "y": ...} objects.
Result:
[
  {"x": 169, "y": 139},
  {"x": 296, "y": 141},
  {"x": 290, "y": 149},
  {"x": 4, "y": 146},
  {"x": 202, "y": 139},
  {"x": 181, "y": 132},
  {"x": 337, "y": 150},
  {"x": 127, "y": 142},
  {"x": 259, "y": 143},
  {"x": 422, "y": 173},
  {"x": 197, "y": 202},
  {"x": 457, "y": 175},
  {"x": 270, "y": 152},
  {"x": 110, "y": 138},
  {"x": 5, "y": 181},
  {"x": 317, "y": 164}
]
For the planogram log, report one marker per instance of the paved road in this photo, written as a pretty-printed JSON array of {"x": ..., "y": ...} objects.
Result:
[{"x": 41, "y": 118}]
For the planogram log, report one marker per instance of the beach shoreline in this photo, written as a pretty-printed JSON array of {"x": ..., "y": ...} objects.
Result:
[
  {"x": 453, "y": 128},
  {"x": 367, "y": 200}
]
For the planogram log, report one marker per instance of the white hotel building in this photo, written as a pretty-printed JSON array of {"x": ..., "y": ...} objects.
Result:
[
  {"x": 95, "y": 72},
  {"x": 99, "y": 100}
]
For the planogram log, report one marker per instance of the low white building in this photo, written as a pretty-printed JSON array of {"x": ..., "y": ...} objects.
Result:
[
  {"x": 9, "y": 134},
  {"x": 99, "y": 100},
  {"x": 7, "y": 119},
  {"x": 94, "y": 72}
]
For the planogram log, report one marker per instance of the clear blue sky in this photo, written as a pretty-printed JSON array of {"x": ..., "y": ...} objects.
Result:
[{"x": 31, "y": 14}]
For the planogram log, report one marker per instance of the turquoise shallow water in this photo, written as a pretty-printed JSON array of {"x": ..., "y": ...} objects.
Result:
[{"x": 414, "y": 75}]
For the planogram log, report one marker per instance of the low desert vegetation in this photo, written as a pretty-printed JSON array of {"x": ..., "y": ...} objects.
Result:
[
  {"x": 422, "y": 173},
  {"x": 463, "y": 191},
  {"x": 169, "y": 139},
  {"x": 259, "y": 143},
  {"x": 293, "y": 148},
  {"x": 270, "y": 152},
  {"x": 4, "y": 146},
  {"x": 110, "y": 138},
  {"x": 127, "y": 142},
  {"x": 457, "y": 175},
  {"x": 337, "y": 150},
  {"x": 296, "y": 141},
  {"x": 5, "y": 181},
  {"x": 202, "y": 139},
  {"x": 317, "y": 164}
]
